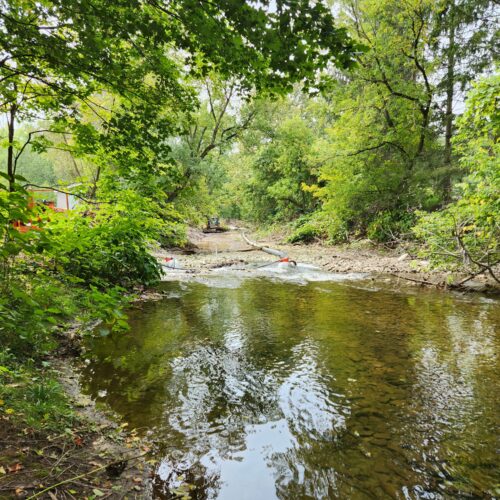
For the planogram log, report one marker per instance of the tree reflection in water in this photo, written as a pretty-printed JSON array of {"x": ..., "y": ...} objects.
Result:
[{"x": 267, "y": 390}]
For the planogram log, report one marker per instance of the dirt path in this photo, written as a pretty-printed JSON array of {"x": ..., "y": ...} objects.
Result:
[
  {"x": 215, "y": 243},
  {"x": 229, "y": 249},
  {"x": 220, "y": 249}
]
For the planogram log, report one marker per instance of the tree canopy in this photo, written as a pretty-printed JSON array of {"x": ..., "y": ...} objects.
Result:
[{"x": 156, "y": 114}]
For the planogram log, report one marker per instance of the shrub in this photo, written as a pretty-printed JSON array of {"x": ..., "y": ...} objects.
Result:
[
  {"x": 466, "y": 234},
  {"x": 306, "y": 229},
  {"x": 108, "y": 245},
  {"x": 390, "y": 226}
]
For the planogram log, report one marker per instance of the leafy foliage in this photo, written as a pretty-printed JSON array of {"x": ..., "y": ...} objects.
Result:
[
  {"x": 40, "y": 400},
  {"x": 109, "y": 86},
  {"x": 275, "y": 166},
  {"x": 377, "y": 157},
  {"x": 372, "y": 150},
  {"x": 306, "y": 229},
  {"x": 109, "y": 245},
  {"x": 467, "y": 232}
]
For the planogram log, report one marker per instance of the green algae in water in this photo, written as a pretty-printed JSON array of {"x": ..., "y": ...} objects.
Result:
[{"x": 263, "y": 390}]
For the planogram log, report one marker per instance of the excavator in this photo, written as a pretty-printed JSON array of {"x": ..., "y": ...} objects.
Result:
[{"x": 213, "y": 226}]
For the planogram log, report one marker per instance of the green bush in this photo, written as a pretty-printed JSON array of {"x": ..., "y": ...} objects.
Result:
[
  {"x": 31, "y": 309},
  {"x": 389, "y": 226},
  {"x": 466, "y": 234},
  {"x": 304, "y": 234},
  {"x": 80, "y": 265},
  {"x": 306, "y": 229},
  {"x": 108, "y": 245}
]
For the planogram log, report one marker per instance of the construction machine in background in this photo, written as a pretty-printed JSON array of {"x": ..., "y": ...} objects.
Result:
[{"x": 214, "y": 226}]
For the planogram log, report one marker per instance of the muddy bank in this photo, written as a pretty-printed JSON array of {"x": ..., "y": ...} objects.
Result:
[
  {"x": 208, "y": 251},
  {"x": 90, "y": 456}
]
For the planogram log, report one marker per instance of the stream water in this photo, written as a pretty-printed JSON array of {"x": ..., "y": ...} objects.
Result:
[{"x": 260, "y": 389}]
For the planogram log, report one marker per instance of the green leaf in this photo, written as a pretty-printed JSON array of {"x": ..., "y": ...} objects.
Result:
[{"x": 104, "y": 332}]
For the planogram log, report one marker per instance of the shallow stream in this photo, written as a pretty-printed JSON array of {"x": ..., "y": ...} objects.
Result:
[{"x": 258, "y": 388}]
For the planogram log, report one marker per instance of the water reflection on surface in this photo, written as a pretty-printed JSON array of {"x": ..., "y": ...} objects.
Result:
[{"x": 323, "y": 390}]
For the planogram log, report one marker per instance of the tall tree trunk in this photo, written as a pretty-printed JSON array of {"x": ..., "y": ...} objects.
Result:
[
  {"x": 450, "y": 93},
  {"x": 450, "y": 89},
  {"x": 93, "y": 190},
  {"x": 11, "y": 172},
  {"x": 425, "y": 112}
]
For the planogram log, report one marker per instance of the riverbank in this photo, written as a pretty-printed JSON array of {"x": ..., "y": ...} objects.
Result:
[
  {"x": 215, "y": 250},
  {"x": 56, "y": 443}
]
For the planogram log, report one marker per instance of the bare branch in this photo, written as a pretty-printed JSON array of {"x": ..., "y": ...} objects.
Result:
[
  {"x": 86, "y": 200},
  {"x": 485, "y": 267},
  {"x": 28, "y": 141}
]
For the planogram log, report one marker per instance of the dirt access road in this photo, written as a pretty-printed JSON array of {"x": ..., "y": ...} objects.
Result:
[{"x": 215, "y": 250}]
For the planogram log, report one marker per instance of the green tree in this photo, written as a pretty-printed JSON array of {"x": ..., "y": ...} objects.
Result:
[
  {"x": 36, "y": 168},
  {"x": 463, "y": 40},
  {"x": 209, "y": 134},
  {"x": 376, "y": 162},
  {"x": 57, "y": 52},
  {"x": 466, "y": 234},
  {"x": 272, "y": 165},
  {"x": 281, "y": 169}
]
